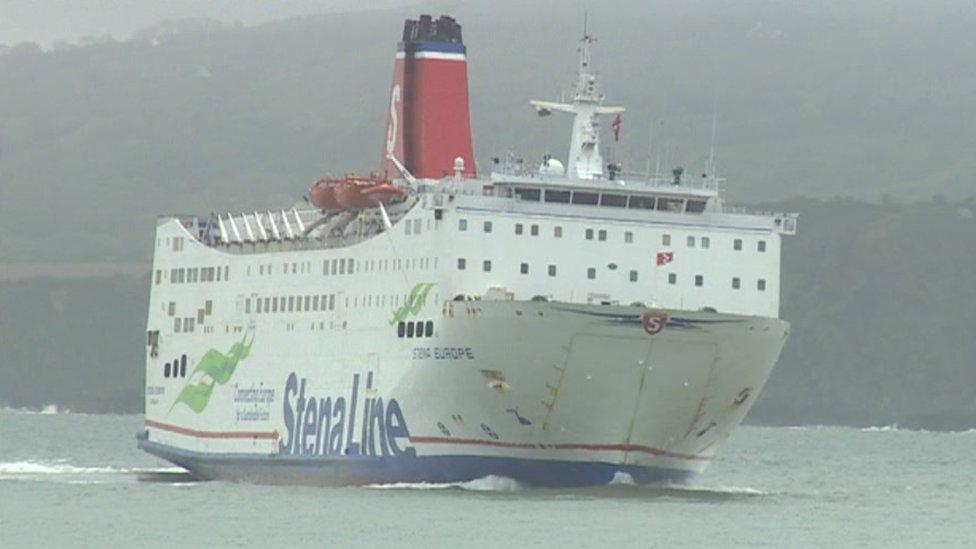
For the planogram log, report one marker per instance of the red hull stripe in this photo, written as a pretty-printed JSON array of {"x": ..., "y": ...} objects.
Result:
[
  {"x": 263, "y": 435},
  {"x": 561, "y": 446}
]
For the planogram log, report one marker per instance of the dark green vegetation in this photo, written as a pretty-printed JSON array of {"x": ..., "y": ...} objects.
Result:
[{"x": 870, "y": 100}]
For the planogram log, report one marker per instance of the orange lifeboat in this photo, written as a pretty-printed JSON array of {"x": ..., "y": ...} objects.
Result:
[{"x": 352, "y": 192}]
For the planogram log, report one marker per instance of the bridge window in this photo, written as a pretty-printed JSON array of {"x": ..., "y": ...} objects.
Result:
[
  {"x": 590, "y": 199},
  {"x": 737, "y": 244},
  {"x": 699, "y": 280},
  {"x": 560, "y": 197},
  {"x": 613, "y": 200},
  {"x": 524, "y": 268},
  {"x": 462, "y": 224},
  {"x": 761, "y": 285},
  {"x": 530, "y": 195},
  {"x": 736, "y": 283},
  {"x": 462, "y": 264},
  {"x": 641, "y": 202},
  {"x": 761, "y": 246},
  {"x": 670, "y": 205},
  {"x": 695, "y": 206}
]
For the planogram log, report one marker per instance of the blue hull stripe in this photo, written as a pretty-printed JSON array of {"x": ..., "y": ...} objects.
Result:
[{"x": 343, "y": 471}]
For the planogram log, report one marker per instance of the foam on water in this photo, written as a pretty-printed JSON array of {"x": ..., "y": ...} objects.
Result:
[
  {"x": 62, "y": 467},
  {"x": 490, "y": 483}
]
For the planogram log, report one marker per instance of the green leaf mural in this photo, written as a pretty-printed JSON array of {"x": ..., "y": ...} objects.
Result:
[
  {"x": 214, "y": 368},
  {"x": 414, "y": 303}
]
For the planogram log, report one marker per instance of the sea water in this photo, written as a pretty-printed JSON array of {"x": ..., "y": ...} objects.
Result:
[{"x": 71, "y": 480}]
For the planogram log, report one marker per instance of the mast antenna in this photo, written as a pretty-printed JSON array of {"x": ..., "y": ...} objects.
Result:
[{"x": 711, "y": 148}]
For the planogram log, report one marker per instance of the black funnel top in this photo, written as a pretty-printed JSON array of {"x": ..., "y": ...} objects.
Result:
[{"x": 425, "y": 29}]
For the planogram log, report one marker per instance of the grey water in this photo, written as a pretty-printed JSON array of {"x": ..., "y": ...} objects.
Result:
[{"x": 73, "y": 480}]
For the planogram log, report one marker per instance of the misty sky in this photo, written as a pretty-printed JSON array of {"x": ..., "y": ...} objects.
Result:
[{"x": 48, "y": 21}]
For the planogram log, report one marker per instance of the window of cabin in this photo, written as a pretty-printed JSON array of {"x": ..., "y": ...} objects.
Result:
[
  {"x": 417, "y": 225},
  {"x": 591, "y": 273},
  {"x": 736, "y": 283},
  {"x": 274, "y": 304},
  {"x": 530, "y": 195},
  {"x": 641, "y": 202},
  {"x": 486, "y": 265},
  {"x": 408, "y": 227},
  {"x": 410, "y": 329},
  {"x": 315, "y": 302},
  {"x": 260, "y": 309},
  {"x": 628, "y": 237},
  {"x": 699, "y": 280},
  {"x": 342, "y": 266},
  {"x": 462, "y": 224},
  {"x": 559, "y": 197},
  {"x": 177, "y": 324},
  {"x": 218, "y": 273},
  {"x": 401, "y": 328},
  {"x": 552, "y": 270},
  {"x": 633, "y": 276},
  {"x": 524, "y": 268},
  {"x": 166, "y": 370},
  {"x": 518, "y": 228},
  {"x": 589, "y": 199},
  {"x": 159, "y": 276},
  {"x": 226, "y": 273},
  {"x": 462, "y": 264},
  {"x": 737, "y": 244},
  {"x": 557, "y": 232},
  {"x": 695, "y": 206},
  {"x": 352, "y": 264},
  {"x": 613, "y": 200},
  {"x": 308, "y": 302},
  {"x": 670, "y": 205},
  {"x": 267, "y": 305},
  {"x": 589, "y": 234},
  {"x": 706, "y": 242},
  {"x": 761, "y": 284},
  {"x": 487, "y": 226},
  {"x": 672, "y": 278},
  {"x": 602, "y": 235},
  {"x": 247, "y": 305},
  {"x": 429, "y": 328},
  {"x": 761, "y": 246},
  {"x": 665, "y": 240},
  {"x": 534, "y": 230},
  {"x": 331, "y": 302},
  {"x": 291, "y": 303},
  {"x": 691, "y": 242},
  {"x": 171, "y": 309}
]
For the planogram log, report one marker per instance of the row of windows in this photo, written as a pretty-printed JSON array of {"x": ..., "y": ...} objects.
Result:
[
  {"x": 417, "y": 328},
  {"x": 612, "y": 200},
  {"x": 193, "y": 275},
  {"x": 289, "y": 304},
  {"x": 175, "y": 369},
  {"x": 184, "y": 324},
  {"x": 736, "y": 282}
]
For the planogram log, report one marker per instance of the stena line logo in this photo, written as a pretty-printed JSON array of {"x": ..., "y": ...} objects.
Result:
[
  {"x": 337, "y": 426},
  {"x": 654, "y": 322}
]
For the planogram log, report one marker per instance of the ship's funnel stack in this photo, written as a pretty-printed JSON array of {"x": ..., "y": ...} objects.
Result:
[{"x": 428, "y": 126}]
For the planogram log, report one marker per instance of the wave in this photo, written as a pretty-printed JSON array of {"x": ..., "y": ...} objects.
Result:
[
  {"x": 62, "y": 467},
  {"x": 490, "y": 483}
]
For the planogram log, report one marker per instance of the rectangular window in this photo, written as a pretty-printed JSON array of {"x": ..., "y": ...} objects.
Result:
[
  {"x": 591, "y": 273},
  {"x": 518, "y": 228},
  {"x": 401, "y": 328},
  {"x": 267, "y": 305},
  {"x": 315, "y": 302},
  {"x": 589, "y": 234},
  {"x": 628, "y": 237},
  {"x": 417, "y": 225},
  {"x": 331, "y": 302},
  {"x": 208, "y": 306},
  {"x": 462, "y": 264},
  {"x": 531, "y": 195},
  {"x": 200, "y": 315},
  {"x": 673, "y": 205},
  {"x": 177, "y": 324},
  {"x": 291, "y": 303},
  {"x": 159, "y": 276},
  {"x": 691, "y": 242},
  {"x": 429, "y": 328},
  {"x": 259, "y": 302},
  {"x": 672, "y": 278},
  {"x": 487, "y": 226},
  {"x": 218, "y": 273},
  {"x": 534, "y": 230},
  {"x": 557, "y": 232},
  {"x": 559, "y": 197},
  {"x": 462, "y": 224},
  {"x": 613, "y": 200},
  {"x": 737, "y": 244},
  {"x": 308, "y": 302},
  {"x": 486, "y": 265},
  {"x": 761, "y": 284},
  {"x": 602, "y": 235},
  {"x": 524, "y": 268},
  {"x": 665, "y": 240},
  {"x": 171, "y": 310},
  {"x": 342, "y": 266},
  {"x": 351, "y": 264},
  {"x": 407, "y": 227},
  {"x": 706, "y": 242},
  {"x": 226, "y": 273},
  {"x": 247, "y": 306},
  {"x": 736, "y": 283},
  {"x": 410, "y": 329},
  {"x": 589, "y": 199},
  {"x": 633, "y": 276},
  {"x": 699, "y": 280},
  {"x": 761, "y": 246},
  {"x": 552, "y": 270},
  {"x": 695, "y": 206},
  {"x": 274, "y": 304},
  {"x": 641, "y": 202}
]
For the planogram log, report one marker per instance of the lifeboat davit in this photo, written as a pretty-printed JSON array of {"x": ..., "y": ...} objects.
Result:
[{"x": 352, "y": 192}]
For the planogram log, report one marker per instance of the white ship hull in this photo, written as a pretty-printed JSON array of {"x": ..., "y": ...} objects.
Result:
[{"x": 548, "y": 394}]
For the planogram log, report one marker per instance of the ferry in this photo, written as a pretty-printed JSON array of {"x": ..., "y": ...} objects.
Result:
[{"x": 560, "y": 323}]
